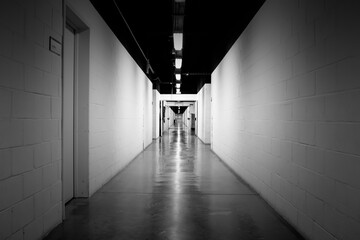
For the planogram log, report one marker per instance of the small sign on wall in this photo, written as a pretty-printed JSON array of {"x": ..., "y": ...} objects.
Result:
[{"x": 55, "y": 46}]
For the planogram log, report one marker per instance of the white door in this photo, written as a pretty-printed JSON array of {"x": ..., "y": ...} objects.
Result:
[{"x": 68, "y": 114}]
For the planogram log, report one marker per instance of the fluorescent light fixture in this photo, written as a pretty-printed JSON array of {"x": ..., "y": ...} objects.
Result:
[
  {"x": 178, "y": 76},
  {"x": 178, "y": 62},
  {"x": 178, "y": 41},
  {"x": 178, "y": 85}
]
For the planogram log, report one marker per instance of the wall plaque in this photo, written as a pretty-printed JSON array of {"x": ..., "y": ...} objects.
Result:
[{"x": 55, "y": 46}]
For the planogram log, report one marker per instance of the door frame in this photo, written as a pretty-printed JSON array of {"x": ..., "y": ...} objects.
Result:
[
  {"x": 81, "y": 102},
  {"x": 73, "y": 120},
  {"x": 160, "y": 133}
]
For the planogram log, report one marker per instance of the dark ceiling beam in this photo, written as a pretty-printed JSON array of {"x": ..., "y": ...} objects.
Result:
[
  {"x": 178, "y": 21},
  {"x": 179, "y": 7}
]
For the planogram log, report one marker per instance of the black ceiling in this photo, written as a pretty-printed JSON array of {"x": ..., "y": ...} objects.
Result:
[
  {"x": 179, "y": 110},
  {"x": 210, "y": 29}
]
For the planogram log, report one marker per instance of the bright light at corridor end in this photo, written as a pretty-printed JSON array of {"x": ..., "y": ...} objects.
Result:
[{"x": 178, "y": 41}]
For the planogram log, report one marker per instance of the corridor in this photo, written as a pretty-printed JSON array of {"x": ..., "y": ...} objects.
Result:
[{"x": 175, "y": 189}]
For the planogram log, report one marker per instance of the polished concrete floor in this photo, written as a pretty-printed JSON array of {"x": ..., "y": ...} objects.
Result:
[{"x": 176, "y": 189}]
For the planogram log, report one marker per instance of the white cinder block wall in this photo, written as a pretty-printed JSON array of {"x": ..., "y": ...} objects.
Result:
[
  {"x": 286, "y": 113},
  {"x": 120, "y": 103},
  {"x": 30, "y": 119},
  {"x": 204, "y": 113},
  {"x": 30, "y": 112}
]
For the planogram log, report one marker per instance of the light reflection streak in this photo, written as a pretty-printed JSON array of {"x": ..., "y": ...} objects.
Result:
[{"x": 176, "y": 214}]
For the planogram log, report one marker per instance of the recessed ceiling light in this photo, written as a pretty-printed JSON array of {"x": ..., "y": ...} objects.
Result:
[
  {"x": 178, "y": 41},
  {"x": 178, "y": 63}
]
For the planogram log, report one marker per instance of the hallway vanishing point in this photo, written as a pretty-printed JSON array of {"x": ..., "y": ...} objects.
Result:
[{"x": 176, "y": 189}]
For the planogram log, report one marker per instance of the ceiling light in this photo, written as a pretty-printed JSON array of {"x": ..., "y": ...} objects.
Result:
[
  {"x": 178, "y": 76},
  {"x": 178, "y": 41},
  {"x": 178, "y": 85},
  {"x": 178, "y": 62}
]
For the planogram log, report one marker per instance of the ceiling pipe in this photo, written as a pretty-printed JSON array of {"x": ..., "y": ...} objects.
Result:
[
  {"x": 196, "y": 74},
  {"x": 148, "y": 66}
]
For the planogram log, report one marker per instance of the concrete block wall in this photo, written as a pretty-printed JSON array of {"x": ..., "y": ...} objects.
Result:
[
  {"x": 286, "y": 115},
  {"x": 30, "y": 118},
  {"x": 120, "y": 103},
  {"x": 204, "y": 113}
]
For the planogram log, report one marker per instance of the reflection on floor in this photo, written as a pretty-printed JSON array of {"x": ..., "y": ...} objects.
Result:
[{"x": 176, "y": 189}]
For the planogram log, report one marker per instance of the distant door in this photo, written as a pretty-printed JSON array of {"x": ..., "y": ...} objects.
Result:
[
  {"x": 160, "y": 118},
  {"x": 193, "y": 121},
  {"x": 163, "y": 116},
  {"x": 68, "y": 114}
]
